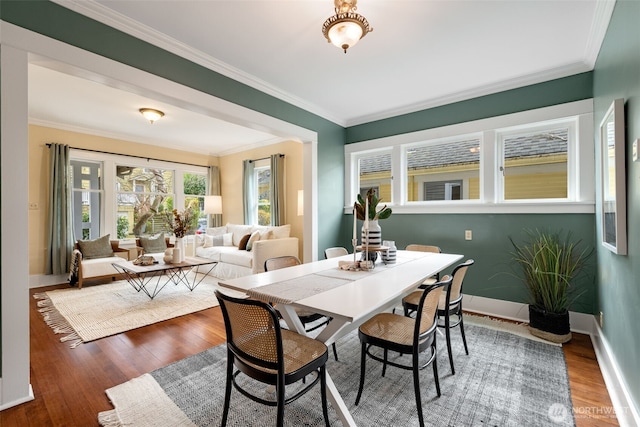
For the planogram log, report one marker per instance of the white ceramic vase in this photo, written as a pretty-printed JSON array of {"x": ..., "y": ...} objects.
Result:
[
  {"x": 372, "y": 238},
  {"x": 178, "y": 251},
  {"x": 389, "y": 256}
]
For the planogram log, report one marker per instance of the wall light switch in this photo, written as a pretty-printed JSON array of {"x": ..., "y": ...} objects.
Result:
[{"x": 468, "y": 235}]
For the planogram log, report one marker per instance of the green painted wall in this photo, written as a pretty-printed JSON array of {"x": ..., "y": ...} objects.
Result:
[
  {"x": 493, "y": 273},
  {"x": 559, "y": 91},
  {"x": 617, "y": 75}
]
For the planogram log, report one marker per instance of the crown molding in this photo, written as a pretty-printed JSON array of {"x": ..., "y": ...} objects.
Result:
[
  {"x": 489, "y": 89},
  {"x": 104, "y": 15},
  {"x": 599, "y": 26}
]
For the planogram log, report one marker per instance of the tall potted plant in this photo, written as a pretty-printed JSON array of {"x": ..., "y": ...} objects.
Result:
[
  {"x": 551, "y": 264},
  {"x": 373, "y": 235}
]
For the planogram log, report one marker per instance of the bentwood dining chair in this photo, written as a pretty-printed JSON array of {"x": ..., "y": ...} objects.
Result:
[
  {"x": 310, "y": 320},
  {"x": 450, "y": 305},
  {"x": 426, "y": 248},
  {"x": 335, "y": 252},
  {"x": 256, "y": 348},
  {"x": 406, "y": 335}
]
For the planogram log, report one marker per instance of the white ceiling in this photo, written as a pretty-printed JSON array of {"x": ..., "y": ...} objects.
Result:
[{"x": 422, "y": 53}]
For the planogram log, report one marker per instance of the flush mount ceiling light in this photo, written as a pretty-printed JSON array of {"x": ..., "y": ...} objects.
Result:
[
  {"x": 346, "y": 27},
  {"x": 151, "y": 114}
]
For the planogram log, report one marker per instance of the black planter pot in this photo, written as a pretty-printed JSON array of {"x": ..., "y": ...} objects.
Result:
[{"x": 550, "y": 326}]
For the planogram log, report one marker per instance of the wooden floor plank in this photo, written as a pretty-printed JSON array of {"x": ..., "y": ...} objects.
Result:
[{"x": 69, "y": 384}]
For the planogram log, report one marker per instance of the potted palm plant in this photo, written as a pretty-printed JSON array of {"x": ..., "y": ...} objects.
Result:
[
  {"x": 551, "y": 264},
  {"x": 373, "y": 235}
]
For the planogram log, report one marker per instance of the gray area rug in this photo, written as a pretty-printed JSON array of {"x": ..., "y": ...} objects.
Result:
[{"x": 507, "y": 380}]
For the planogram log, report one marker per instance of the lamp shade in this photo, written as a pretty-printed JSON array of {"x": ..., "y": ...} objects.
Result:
[{"x": 213, "y": 204}]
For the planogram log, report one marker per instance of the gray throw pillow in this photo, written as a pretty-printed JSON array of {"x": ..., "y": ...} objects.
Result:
[
  {"x": 153, "y": 244},
  {"x": 98, "y": 248},
  {"x": 217, "y": 240}
]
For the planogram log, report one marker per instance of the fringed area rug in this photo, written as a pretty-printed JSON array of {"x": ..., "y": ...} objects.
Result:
[
  {"x": 507, "y": 380},
  {"x": 94, "y": 312}
]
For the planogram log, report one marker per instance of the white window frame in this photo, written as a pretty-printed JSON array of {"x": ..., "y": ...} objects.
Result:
[
  {"x": 571, "y": 124},
  {"x": 108, "y": 213},
  {"x": 580, "y": 163},
  {"x": 355, "y": 173}
]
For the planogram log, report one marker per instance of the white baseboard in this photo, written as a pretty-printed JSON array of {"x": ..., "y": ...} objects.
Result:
[
  {"x": 580, "y": 322},
  {"x": 7, "y": 405},
  {"x": 40, "y": 280},
  {"x": 626, "y": 412}
]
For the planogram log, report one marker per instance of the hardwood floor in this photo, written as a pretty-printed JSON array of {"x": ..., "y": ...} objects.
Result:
[{"x": 69, "y": 384}]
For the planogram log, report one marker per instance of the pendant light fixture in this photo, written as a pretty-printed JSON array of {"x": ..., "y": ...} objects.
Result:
[{"x": 346, "y": 27}]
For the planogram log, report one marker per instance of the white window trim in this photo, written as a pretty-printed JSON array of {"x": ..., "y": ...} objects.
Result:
[
  {"x": 108, "y": 223},
  {"x": 581, "y": 181}
]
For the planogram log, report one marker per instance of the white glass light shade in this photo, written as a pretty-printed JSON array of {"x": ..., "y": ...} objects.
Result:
[
  {"x": 151, "y": 114},
  {"x": 213, "y": 204},
  {"x": 345, "y": 34}
]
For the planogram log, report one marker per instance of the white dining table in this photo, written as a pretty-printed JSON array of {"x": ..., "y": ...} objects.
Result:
[{"x": 349, "y": 298}]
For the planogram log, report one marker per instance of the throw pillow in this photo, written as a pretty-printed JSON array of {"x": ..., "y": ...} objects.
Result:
[
  {"x": 254, "y": 236},
  {"x": 217, "y": 241},
  {"x": 227, "y": 239},
  {"x": 98, "y": 248},
  {"x": 153, "y": 244},
  {"x": 216, "y": 231},
  {"x": 282, "y": 231},
  {"x": 267, "y": 236},
  {"x": 243, "y": 242}
]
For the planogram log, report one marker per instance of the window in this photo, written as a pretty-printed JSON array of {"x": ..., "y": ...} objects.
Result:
[
  {"x": 535, "y": 161},
  {"x": 195, "y": 188},
  {"x": 374, "y": 171},
  {"x": 263, "y": 194},
  {"x": 143, "y": 195},
  {"x": 125, "y": 196},
  {"x": 443, "y": 170},
  {"x": 86, "y": 199}
]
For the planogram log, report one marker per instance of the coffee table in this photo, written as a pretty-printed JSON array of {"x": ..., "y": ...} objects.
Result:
[{"x": 140, "y": 277}]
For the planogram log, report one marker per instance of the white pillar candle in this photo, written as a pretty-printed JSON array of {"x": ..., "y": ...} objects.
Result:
[
  {"x": 355, "y": 223},
  {"x": 366, "y": 214}
]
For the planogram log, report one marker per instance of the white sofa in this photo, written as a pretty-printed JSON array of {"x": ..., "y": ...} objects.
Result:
[{"x": 221, "y": 244}]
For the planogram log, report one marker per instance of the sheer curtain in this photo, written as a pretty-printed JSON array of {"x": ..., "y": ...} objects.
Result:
[
  {"x": 277, "y": 190},
  {"x": 248, "y": 191},
  {"x": 61, "y": 241},
  {"x": 214, "y": 190}
]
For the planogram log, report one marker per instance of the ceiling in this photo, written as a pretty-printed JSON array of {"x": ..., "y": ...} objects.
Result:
[{"x": 421, "y": 54}]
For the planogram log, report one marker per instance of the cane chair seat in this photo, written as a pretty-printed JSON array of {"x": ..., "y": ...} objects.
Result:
[
  {"x": 307, "y": 317},
  {"x": 258, "y": 348},
  {"x": 406, "y": 335},
  {"x": 450, "y": 305}
]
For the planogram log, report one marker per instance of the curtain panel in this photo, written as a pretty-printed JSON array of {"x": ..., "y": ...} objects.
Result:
[
  {"x": 60, "y": 225},
  {"x": 248, "y": 191},
  {"x": 214, "y": 190},
  {"x": 277, "y": 190}
]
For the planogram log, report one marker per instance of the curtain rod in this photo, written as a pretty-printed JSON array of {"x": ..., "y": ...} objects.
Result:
[
  {"x": 131, "y": 155},
  {"x": 264, "y": 158}
]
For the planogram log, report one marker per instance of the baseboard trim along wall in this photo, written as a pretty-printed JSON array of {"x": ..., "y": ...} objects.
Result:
[
  {"x": 7, "y": 405},
  {"x": 626, "y": 411},
  {"x": 40, "y": 280}
]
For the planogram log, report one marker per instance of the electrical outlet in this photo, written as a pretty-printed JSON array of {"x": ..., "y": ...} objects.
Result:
[
  {"x": 468, "y": 235},
  {"x": 33, "y": 205},
  {"x": 601, "y": 319}
]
